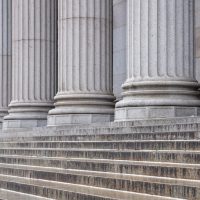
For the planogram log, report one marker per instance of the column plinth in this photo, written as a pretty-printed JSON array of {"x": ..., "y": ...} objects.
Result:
[
  {"x": 84, "y": 63},
  {"x": 34, "y": 63},
  {"x": 160, "y": 69}
]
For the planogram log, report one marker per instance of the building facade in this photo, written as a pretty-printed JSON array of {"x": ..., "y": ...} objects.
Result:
[{"x": 64, "y": 61}]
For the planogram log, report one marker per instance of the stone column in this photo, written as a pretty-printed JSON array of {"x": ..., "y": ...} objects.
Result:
[
  {"x": 160, "y": 78},
  {"x": 84, "y": 63},
  {"x": 5, "y": 56},
  {"x": 197, "y": 39},
  {"x": 34, "y": 62}
]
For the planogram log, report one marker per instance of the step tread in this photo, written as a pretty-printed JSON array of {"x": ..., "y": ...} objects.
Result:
[
  {"x": 106, "y": 150},
  {"x": 94, "y": 141},
  {"x": 109, "y": 161},
  {"x": 90, "y": 190},
  {"x": 12, "y": 195},
  {"x": 131, "y": 177},
  {"x": 27, "y": 135}
]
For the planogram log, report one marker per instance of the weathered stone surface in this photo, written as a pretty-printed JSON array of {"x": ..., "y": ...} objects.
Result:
[
  {"x": 125, "y": 160},
  {"x": 84, "y": 63},
  {"x": 160, "y": 67},
  {"x": 5, "y": 56},
  {"x": 155, "y": 159},
  {"x": 34, "y": 61},
  {"x": 197, "y": 39}
]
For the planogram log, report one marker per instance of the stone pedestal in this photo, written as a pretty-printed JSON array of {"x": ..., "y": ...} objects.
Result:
[
  {"x": 84, "y": 63},
  {"x": 33, "y": 62},
  {"x": 5, "y": 56},
  {"x": 160, "y": 69}
]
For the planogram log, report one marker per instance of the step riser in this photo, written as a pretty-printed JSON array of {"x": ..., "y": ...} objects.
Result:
[
  {"x": 178, "y": 172},
  {"x": 183, "y": 145},
  {"x": 115, "y": 136},
  {"x": 116, "y": 184},
  {"x": 47, "y": 192},
  {"x": 137, "y": 156}
]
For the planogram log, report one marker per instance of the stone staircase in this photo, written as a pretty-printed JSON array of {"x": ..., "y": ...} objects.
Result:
[{"x": 140, "y": 160}]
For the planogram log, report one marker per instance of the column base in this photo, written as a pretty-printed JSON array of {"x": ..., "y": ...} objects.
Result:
[
  {"x": 70, "y": 119},
  {"x": 132, "y": 113},
  {"x": 3, "y": 113},
  {"x": 23, "y": 123},
  {"x": 26, "y": 115}
]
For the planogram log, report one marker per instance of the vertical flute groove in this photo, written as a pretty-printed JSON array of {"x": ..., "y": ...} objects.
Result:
[
  {"x": 85, "y": 57},
  {"x": 160, "y": 40},
  {"x": 34, "y": 47}
]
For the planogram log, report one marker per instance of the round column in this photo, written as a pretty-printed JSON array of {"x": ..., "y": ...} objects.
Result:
[
  {"x": 34, "y": 62},
  {"x": 5, "y": 56},
  {"x": 160, "y": 69},
  {"x": 84, "y": 63}
]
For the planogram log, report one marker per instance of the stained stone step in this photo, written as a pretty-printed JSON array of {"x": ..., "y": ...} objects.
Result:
[
  {"x": 163, "y": 169},
  {"x": 11, "y": 195},
  {"x": 176, "y": 156},
  {"x": 184, "y": 135},
  {"x": 68, "y": 191},
  {"x": 137, "y": 145},
  {"x": 175, "y": 170},
  {"x": 160, "y": 160},
  {"x": 181, "y": 188},
  {"x": 178, "y": 121},
  {"x": 75, "y": 133}
]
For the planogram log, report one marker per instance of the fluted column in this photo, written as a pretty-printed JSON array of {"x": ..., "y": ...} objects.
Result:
[
  {"x": 84, "y": 63},
  {"x": 160, "y": 69},
  {"x": 5, "y": 56},
  {"x": 34, "y": 62}
]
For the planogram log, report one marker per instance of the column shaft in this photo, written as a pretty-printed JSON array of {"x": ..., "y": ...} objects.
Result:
[
  {"x": 160, "y": 60},
  {"x": 5, "y": 56},
  {"x": 34, "y": 62},
  {"x": 84, "y": 62}
]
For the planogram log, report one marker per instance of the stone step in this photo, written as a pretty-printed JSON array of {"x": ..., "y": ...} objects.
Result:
[
  {"x": 184, "y": 135},
  {"x": 176, "y": 156},
  {"x": 163, "y": 169},
  {"x": 100, "y": 132},
  {"x": 11, "y": 195},
  {"x": 137, "y": 145},
  {"x": 179, "y": 188},
  {"x": 68, "y": 191},
  {"x": 178, "y": 121}
]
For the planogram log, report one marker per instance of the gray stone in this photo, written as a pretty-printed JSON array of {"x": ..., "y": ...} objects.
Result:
[
  {"x": 5, "y": 57},
  {"x": 160, "y": 67},
  {"x": 85, "y": 63},
  {"x": 150, "y": 112},
  {"x": 34, "y": 61},
  {"x": 142, "y": 159}
]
